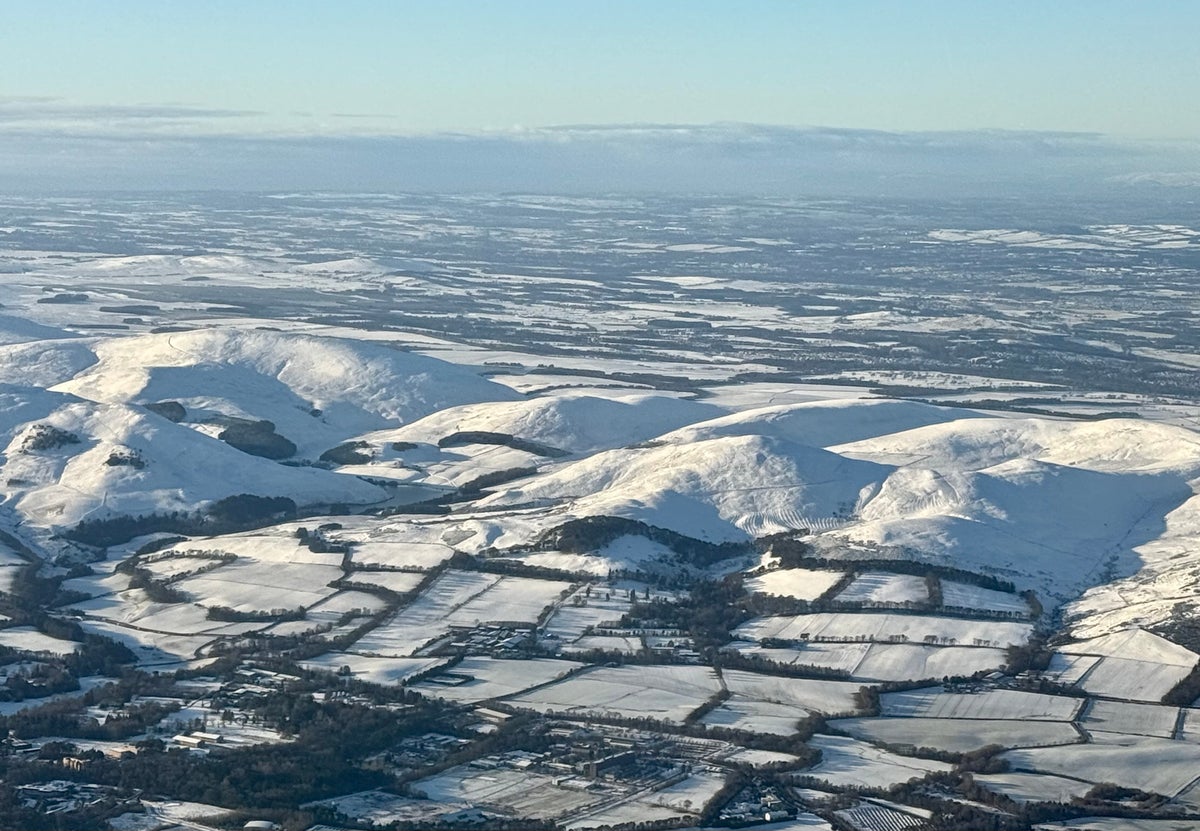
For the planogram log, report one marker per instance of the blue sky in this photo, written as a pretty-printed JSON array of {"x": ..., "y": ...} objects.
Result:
[
  {"x": 1124, "y": 68},
  {"x": 264, "y": 70}
]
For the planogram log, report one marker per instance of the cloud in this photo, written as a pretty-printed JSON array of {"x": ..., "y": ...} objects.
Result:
[
  {"x": 47, "y": 116},
  {"x": 717, "y": 158},
  {"x": 1187, "y": 179}
]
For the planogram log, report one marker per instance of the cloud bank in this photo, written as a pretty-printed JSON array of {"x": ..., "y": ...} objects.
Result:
[{"x": 49, "y": 146}]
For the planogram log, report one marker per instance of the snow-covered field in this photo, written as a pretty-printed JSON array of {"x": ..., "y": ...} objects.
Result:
[
  {"x": 769, "y": 704},
  {"x": 525, "y": 793},
  {"x": 880, "y": 587},
  {"x": 996, "y": 704},
  {"x": 587, "y": 607},
  {"x": 400, "y": 582},
  {"x": 668, "y": 693},
  {"x": 965, "y": 596},
  {"x": 826, "y": 697},
  {"x": 1128, "y": 717},
  {"x": 1112, "y": 824},
  {"x": 495, "y": 678},
  {"x": 1157, "y": 765},
  {"x": 1034, "y": 787},
  {"x": 386, "y": 671},
  {"x": 800, "y": 583},
  {"x": 884, "y": 661},
  {"x": 459, "y": 599},
  {"x": 959, "y": 735},
  {"x": 1132, "y": 664},
  {"x": 858, "y": 626},
  {"x": 28, "y": 639},
  {"x": 757, "y": 716},
  {"x": 850, "y": 763}
]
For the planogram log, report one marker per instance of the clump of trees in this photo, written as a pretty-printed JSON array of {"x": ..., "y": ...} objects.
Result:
[
  {"x": 64, "y": 297},
  {"x": 225, "y": 516},
  {"x": 350, "y": 453},
  {"x": 504, "y": 439},
  {"x": 125, "y": 458},
  {"x": 47, "y": 437},
  {"x": 586, "y": 534},
  {"x": 231, "y": 615},
  {"x": 496, "y": 477},
  {"x": 258, "y": 438}
]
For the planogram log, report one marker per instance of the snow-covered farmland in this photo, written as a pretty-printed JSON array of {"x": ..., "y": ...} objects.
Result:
[
  {"x": 493, "y": 678},
  {"x": 1070, "y": 669},
  {"x": 271, "y": 571},
  {"x": 959, "y": 735},
  {"x": 132, "y": 608},
  {"x": 885, "y": 661},
  {"x": 262, "y": 586},
  {"x": 387, "y": 671},
  {"x": 850, "y": 763},
  {"x": 1157, "y": 765},
  {"x": 589, "y": 606},
  {"x": 1114, "y": 824},
  {"x": 800, "y": 583},
  {"x": 741, "y": 713},
  {"x": 669, "y": 693},
  {"x": 934, "y": 702},
  {"x": 526, "y": 794},
  {"x": 459, "y": 599},
  {"x": 400, "y": 582},
  {"x": 853, "y": 626},
  {"x": 840, "y": 656},
  {"x": 1127, "y": 717},
  {"x": 817, "y": 695},
  {"x": 1132, "y": 664},
  {"x": 31, "y": 640},
  {"x": 511, "y": 600},
  {"x": 770, "y": 704},
  {"x": 1033, "y": 787},
  {"x": 883, "y": 588},
  {"x": 965, "y": 596},
  {"x": 389, "y": 554},
  {"x": 1189, "y": 728},
  {"x": 903, "y": 662},
  {"x": 151, "y": 648}
]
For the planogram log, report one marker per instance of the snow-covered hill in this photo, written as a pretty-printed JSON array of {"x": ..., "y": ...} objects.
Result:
[
  {"x": 85, "y": 460},
  {"x": 824, "y": 423},
  {"x": 1050, "y": 504},
  {"x": 316, "y": 391},
  {"x": 719, "y": 490},
  {"x": 1116, "y": 445},
  {"x": 570, "y": 422},
  {"x": 1055, "y": 504}
]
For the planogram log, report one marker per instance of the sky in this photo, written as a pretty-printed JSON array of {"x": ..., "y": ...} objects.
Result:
[{"x": 85, "y": 86}]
